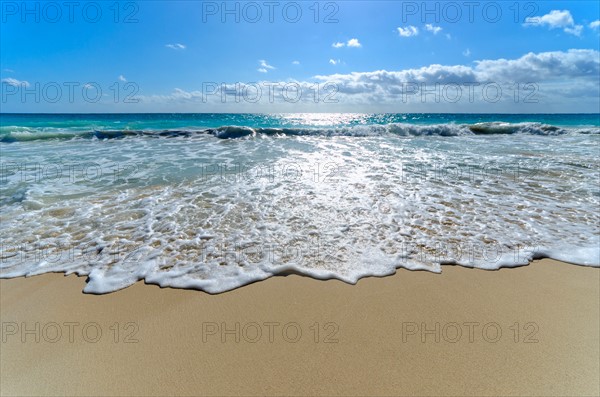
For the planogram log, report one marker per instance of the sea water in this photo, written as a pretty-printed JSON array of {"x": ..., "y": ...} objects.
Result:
[{"x": 216, "y": 201}]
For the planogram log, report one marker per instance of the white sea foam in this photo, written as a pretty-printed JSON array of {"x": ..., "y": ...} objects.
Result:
[{"x": 215, "y": 214}]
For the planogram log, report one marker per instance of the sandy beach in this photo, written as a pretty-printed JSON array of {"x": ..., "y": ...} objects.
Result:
[
  {"x": 526, "y": 331},
  {"x": 323, "y": 198}
]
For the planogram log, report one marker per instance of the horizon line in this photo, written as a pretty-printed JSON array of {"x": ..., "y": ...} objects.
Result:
[{"x": 273, "y": 113}]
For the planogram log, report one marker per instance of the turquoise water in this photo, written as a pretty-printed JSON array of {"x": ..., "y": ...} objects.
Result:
[
  {"x": 11, "y": 123},
  {"x": 167, "y": 199}
]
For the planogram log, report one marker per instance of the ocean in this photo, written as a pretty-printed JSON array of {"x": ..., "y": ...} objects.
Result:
[{"x": 216, "y": 201}]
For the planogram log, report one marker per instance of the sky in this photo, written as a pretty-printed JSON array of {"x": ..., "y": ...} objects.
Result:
[{"x": 274, "y": 56}]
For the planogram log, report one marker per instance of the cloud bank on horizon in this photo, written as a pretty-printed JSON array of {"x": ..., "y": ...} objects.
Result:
[
  {"x": 538, "y": 82},
  {"x": 543, "y": 59}
]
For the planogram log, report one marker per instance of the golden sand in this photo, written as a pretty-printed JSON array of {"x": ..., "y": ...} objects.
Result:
[{"x": 527, "y": 331}]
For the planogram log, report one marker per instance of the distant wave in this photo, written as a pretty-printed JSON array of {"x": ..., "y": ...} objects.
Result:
[{"x": 24, "y": 134}]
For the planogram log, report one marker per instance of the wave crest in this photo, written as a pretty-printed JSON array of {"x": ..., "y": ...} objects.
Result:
[{"x": 21, "y": 134}]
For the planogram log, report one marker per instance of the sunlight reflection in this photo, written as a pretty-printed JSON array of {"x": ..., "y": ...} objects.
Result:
[{"x": 325, "y": 119}]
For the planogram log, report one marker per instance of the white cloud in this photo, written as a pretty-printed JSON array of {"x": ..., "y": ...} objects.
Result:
[
  {"x": 122, "y": 78},
  {"x": 295, "y": 62},
  {"x": 448, "y": 36},
  {"x": 353, "y": 43},
  {"x": 467, "y": 52},
  {"x": 350, "y": 43},
  {"x": 556, "y": 19},
  {"x": 334, "y": 61},
  {"x": 265, "y": 65},
  {"x": 15, "y": 82},
  {"x": 177, "y": 95},
  {"x": 595, "y": 25},
  {"x": 408, "y": 31},
  {"x": 435, "y": 29},
  {"x": 8, "y": 70},
  {"x": 176, "y": 46},
  {"x": 575, "y": 30},
  {"x": 564, "y": 81},
  {"x": 542, "y": 66},
  {"x": 573, "y": 67}
]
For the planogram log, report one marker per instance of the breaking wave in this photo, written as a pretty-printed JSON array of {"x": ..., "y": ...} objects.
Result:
[{"x": 25, "y": 134}]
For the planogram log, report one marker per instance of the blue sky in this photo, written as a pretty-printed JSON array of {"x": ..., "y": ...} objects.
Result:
[{"x": 168, "y": 52}]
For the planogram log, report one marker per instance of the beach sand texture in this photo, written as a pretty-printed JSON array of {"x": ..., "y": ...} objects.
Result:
[{"x": 377, "y": 337}]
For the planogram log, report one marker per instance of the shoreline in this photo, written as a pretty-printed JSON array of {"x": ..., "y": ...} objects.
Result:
[{"x": 531, "y": 330}]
